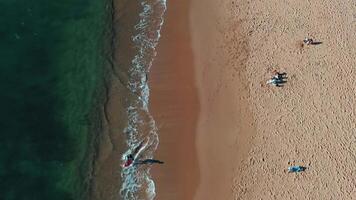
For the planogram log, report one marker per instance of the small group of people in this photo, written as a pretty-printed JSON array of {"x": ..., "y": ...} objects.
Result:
[{"x": 278, "y": 79}]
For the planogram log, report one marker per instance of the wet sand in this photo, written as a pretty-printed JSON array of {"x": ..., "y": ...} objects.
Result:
[
  {"x": 225, "y": 134},
  {"x": 174, "y": 105},
  {"x": 197, "y": 135},
  {"x": 106, "y": 180}
]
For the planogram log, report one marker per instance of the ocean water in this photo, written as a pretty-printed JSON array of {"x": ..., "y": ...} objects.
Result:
[
  {"x": 54, "y": 64},
  {"x": 52, "y": 71}
]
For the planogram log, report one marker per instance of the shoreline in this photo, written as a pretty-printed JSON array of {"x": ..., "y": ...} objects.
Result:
[
  {"x": 122, "y": 125},
  {"x": 111, "y": 142},
  {"x": 183, "y": 51},
  {"x": 223, "y": 133}
]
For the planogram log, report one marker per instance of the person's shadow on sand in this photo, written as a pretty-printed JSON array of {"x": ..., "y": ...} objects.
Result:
[{"x": 316, "y": 43}]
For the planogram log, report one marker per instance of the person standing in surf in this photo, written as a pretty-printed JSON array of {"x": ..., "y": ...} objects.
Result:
[{"x": 131, "y": 159}]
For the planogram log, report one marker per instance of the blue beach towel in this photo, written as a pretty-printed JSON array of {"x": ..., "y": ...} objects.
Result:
[{"x": 296, "y": 168}]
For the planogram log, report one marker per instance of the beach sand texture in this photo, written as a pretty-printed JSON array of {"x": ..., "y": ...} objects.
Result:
[
  {"x": 174, "y": 105},
  {"x": 248, "y": 133},
  {"x": 310, "y": 122}
]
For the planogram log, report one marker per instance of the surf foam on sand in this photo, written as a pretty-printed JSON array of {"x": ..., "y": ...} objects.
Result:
[{"x": 137, "y": 181}]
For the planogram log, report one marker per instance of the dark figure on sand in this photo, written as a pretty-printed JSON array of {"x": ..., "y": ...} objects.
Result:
[
  {"x": 131, "y": 159},
  {"x": 278, "y": 79},
  {"x": 296, "y": 168},
  {"x": 310, "y": 41}
]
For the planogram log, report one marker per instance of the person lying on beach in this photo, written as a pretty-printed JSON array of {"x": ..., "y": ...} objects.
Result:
[
  {"x": 308, "y": 41},
  {"x": 297, "y": 168}
]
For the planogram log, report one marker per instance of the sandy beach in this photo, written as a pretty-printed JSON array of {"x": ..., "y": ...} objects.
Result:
[
  {"x": 224, "y": 133},
  {"x": 175, "y": 107}
]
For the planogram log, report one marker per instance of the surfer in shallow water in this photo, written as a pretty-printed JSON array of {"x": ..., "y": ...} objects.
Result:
[{"x": 132, "y": 159}]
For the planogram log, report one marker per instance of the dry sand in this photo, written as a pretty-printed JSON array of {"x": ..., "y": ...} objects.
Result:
[
  {"x": 226, "y": 122},
  {"x": 311, "y": 121},
  {"x": 224, "y": 134},
  {"x": 249, "y": 133}
]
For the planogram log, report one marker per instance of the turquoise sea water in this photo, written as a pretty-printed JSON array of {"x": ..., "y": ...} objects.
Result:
[{"x": 52, "y": 70}]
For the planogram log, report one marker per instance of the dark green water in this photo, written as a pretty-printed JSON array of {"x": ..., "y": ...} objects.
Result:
[{"x": 52, "y": 69}]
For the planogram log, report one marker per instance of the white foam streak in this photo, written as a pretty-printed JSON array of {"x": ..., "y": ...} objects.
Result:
[{"x": 137, "y": 183}]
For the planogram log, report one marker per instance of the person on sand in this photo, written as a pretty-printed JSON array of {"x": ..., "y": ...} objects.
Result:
[
  {"x": 278, "y": 75},
  {"x": 278, "y": 79},
  {"x": 308, "y": 41},
  {"x": 296, "y": 168},
  {"x": 276, "y": 82}
]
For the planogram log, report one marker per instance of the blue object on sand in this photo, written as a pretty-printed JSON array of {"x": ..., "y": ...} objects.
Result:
[{"x": 296, "y": 168}]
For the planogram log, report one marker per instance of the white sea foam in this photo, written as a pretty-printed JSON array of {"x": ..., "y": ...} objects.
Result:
[{"x": 137, "y": 182}]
